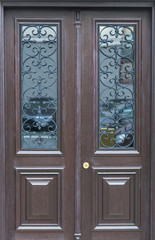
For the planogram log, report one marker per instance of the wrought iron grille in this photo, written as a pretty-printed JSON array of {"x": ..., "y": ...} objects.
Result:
[
  {"x": 39, "y": 56},
  {"x": 116, "y": 86}
]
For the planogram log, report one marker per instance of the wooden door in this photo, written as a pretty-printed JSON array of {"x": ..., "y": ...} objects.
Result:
[
  {"x": 116, "y": 186},
  {"x": 39, "y": 158},
  {"x": 77, "y": 90}
]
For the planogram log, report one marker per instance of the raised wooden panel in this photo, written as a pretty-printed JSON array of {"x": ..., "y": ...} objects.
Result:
[
  {"x": 38, "y": 199},
  {"x": 116, "y": 201},
  {"x": 116, "y": 198}
]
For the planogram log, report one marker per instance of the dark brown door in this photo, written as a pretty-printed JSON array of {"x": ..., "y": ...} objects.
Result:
[
  {"x": 116, "y": 142},
  {"x": 77, "y": 95},
  {"x": 40, "y": 123}
]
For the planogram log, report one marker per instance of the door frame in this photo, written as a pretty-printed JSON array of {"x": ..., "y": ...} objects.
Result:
[{"x": 74, "y": 4}]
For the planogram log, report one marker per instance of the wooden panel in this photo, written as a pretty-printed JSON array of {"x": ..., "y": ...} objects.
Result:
[
  {"x": 117, "y": 188},
  {"x": 39, "y": 173},
  {"x": 152, "y": 131},
  {"x": 117, "y": 198},
  {"x": 78, "y": 132},
  {"x": 2, "y": 130},
  {"x": 38, "y": 199},
  {"x": 76, "y": 3}
]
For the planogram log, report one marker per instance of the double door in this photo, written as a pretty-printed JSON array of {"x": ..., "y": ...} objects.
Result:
[{"x": 77, "y": 98}]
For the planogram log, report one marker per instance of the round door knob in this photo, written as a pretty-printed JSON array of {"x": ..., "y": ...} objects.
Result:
[{"x": 85, "y": 165}]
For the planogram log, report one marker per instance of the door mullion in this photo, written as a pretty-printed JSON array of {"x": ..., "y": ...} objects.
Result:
[{"x": 78, "y": 57}]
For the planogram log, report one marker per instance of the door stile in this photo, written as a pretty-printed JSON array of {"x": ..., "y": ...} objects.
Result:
[
  {"x": 2, "y": 128},
  {"x": 78, "y": 57},
  {"x": 152, "y": 210}
]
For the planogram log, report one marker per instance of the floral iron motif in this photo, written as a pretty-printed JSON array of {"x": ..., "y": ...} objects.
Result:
[
  {"x": 116, "y": 86},
  {"x": 39, "y": 86}
]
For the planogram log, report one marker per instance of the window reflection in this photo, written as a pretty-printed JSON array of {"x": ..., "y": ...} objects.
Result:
[
  {"x": 116, "y": 86},
  {"x": 39, "y": 86}
]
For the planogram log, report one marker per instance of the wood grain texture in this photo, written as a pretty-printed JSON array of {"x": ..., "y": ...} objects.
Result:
[
  {"x": 78, "y": 163},
  {"x": 116, "y": 199},
  {"x": 39, "y": 199},
  {"x": 77, "y": 3},
  {"x": 152, "y": 200},
  {"x": 136, "y": 162},
  {"x": 112, "y": 224},
  {"x": 2, "y": 129}
]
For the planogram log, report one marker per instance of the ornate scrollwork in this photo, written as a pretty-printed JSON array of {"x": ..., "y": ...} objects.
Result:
[
  {"x": 116, "y": 86},
  {"x": 39, "y": 86}
]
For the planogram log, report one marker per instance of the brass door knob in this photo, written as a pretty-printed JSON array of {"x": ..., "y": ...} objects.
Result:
[{"x": 85, "y": 165}]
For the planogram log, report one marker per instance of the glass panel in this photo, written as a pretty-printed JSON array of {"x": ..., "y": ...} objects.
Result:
[
  {"x": 116, "y": 86},
  {"x": 39, "y": 86}
]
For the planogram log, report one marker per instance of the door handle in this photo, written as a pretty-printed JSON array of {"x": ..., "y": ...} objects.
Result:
[{"x": 85, "y": 165}]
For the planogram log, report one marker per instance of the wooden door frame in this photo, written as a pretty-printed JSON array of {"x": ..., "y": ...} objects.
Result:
[{"x": 75, "y": 4}]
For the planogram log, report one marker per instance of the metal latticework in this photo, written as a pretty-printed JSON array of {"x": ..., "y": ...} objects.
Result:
[
  {"x": 116, "y": 86},
  {"x": 39, "y": 56}
]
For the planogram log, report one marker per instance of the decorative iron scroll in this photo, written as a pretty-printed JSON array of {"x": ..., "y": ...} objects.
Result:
[
  {"x": 116, "y": 86},
  {"x": 39, "y": 86}
]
